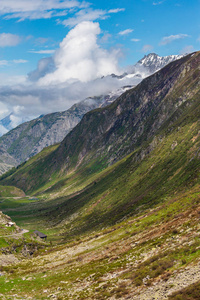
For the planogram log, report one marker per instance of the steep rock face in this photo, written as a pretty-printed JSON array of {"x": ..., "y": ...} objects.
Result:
[
  {"x": 131, "y": 123},
  {"x": 113, "y": 132},
  {"x": 31, "y": 137},
  {"x": 6, "y": 161}
]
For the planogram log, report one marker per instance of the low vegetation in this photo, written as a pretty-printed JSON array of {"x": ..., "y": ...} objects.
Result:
[{"x": 127, "y": 231}]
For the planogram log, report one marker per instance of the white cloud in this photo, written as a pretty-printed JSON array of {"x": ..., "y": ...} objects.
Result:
[
  {"x": 3, "y": 63},
  {"x": 89, "y": 14},
  {"x": 168, "y": 39},
  {"x": 76, "y": 71},
  {"x": 159, "y": 2},
  {"x": 28, "y": 9},
  {"x": 10, "y": 62},
  {"x": 20, "y": 61},
  {"x": 198, "y": 39},
  {"x": 9, "y": 40},
  {"x": 3, "y": 110},
  {"x": 105, "y": 37},
  {"x": 45, "y": 65},
  {"x": 81, "y": 58},
  {"x": 7, "y": 80},
  {"x": 85, "y": 15},
  {"x": 116, "y": 10},
  {"x": 46, "y": 51},
  {"x": 3, "y": 130},
  {"x": 126, "y": 31},
  {"x": 135, "y": 40},
  {"x": 147, "y": 48}
]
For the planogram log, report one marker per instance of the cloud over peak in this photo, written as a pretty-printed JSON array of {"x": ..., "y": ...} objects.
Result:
[{"x": 79, "y": 57}]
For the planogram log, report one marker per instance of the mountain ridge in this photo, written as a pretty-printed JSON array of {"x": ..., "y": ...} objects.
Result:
[
  {"x": 118, "y": 225},
  {"x": 47, "y": 130},
  {"x": 106, "y": 135}
]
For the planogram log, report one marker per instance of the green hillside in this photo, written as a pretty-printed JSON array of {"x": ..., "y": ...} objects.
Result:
[
  {"x": 106, "y": 135},
  {"x": 119, "y": 199},
  {"x": 10, "y": 191}
]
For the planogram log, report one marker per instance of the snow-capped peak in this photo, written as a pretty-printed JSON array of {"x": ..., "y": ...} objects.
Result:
[{"x": 154, "y": 62}]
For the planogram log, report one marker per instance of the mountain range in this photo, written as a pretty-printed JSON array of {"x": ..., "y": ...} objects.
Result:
[
  {"x": 49, "y": 129},
  {"x": 137, "y": 118},
  {"x": 118, "y": 198}
]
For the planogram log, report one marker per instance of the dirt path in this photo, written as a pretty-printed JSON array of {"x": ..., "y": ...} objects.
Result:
[{"x": 15, "y": 234}]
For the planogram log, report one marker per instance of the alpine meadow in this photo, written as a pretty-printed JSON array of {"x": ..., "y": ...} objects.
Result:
[{"x": 99, "y": 163}]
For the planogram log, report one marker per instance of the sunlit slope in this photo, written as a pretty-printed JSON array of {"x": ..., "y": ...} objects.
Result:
[
  {"x": 166, "y": 167},
  {"x": 131, "y": 123}
]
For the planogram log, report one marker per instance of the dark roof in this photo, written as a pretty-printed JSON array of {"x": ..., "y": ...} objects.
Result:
[{"x": 40, "y": 234}]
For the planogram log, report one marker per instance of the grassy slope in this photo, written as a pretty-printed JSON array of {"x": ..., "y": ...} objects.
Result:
[
  {"x": 105, "y": 135},
  {"x": 104, "y": 198},
  {"x": 131, "y": 225},
  {"x": 152, "y": 247},
  {"x": 86, "y": 200},
  {"x": 10, "y": 191}
]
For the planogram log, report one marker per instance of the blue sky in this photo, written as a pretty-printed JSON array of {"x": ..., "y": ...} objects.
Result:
[
  {"x": 142, "y": 23},
  {"x": 41, "y": 40}
]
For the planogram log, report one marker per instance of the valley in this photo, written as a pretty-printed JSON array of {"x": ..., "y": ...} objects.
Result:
[{"x": 118, "y": 198}]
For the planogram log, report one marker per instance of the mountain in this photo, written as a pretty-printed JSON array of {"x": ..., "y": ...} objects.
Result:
[
  {"x": 6, "y": 161},
  {"x": 154, "y": 62},
  {"x": 119, "y": 200},
  {"x": 106, "y": 135},
  {"x": 9, "y": 122},
  {"x": 47, "y": 130}
]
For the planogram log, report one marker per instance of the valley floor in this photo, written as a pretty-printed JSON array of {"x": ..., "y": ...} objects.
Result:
[{"x": 149, "y": 256}]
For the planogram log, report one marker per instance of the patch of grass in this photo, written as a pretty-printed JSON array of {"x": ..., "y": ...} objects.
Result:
[
  {"x": 152, "y": 268},
  {"x": 192, "y": 292}
]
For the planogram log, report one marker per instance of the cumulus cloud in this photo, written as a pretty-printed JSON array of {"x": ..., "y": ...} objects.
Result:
[
  {"x": 80, "y": 68},
  {"x": 77, "y": 70},
  {"x": 81, "y": 58},
  {"x": 169, "y": 39},
  {"x": 9, "y": 40},
  {"x": 126, "y": 31},
  {"x": 147, "y": 48},
  {"x": 45, "y": 66},
  {"x": 8, "y": 80}
]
